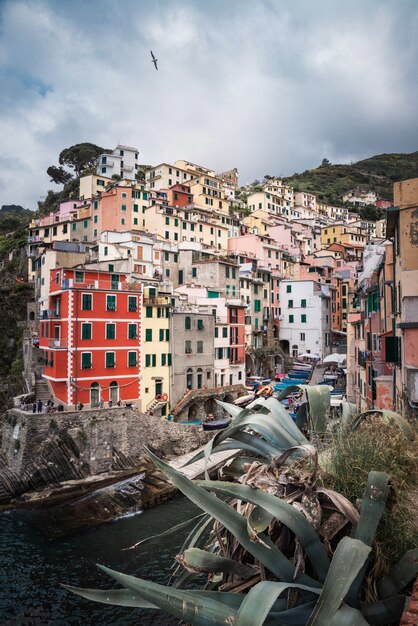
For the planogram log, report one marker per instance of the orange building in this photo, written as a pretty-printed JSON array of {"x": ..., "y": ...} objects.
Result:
[
  {"x": 120, "y": 209},
  {"x": 91, "y": 338}
]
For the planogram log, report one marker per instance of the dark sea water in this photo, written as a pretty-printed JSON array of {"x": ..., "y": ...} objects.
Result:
[{"x": 34, "y": 561}]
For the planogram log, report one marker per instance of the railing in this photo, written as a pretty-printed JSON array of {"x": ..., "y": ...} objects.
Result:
[
  {"x": 58, "y": 343},
  {"x": 54, "y": 314},
  {"x": 158, "y": 301}
]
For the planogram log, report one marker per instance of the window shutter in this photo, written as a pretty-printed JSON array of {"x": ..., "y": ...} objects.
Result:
[{"x": 392, "y": 349}]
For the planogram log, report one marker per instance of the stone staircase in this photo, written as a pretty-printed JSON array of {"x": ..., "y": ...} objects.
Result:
[
  {"x": 42, "y": 391},
  {"x": 154, "y": 406}
]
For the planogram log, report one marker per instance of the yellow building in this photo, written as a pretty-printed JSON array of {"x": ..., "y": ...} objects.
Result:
[
  {"x": 156, "y": 351},
  {"x": 90, "y": 185},
  {"x": 341, "y": 233}
]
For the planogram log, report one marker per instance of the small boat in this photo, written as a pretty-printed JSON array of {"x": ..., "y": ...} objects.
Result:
[{"x": 218, "y": 424}]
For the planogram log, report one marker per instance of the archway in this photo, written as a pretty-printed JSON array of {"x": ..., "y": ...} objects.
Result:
[
  {"x": 211, "y": 407},
  {"x": 228, "y": 398},
  {"x": 94, "y": 395},
  {"x": 193, "y": 412},
  {"x": 284, "y": 344},
  {"x": 114, "y": 392}
]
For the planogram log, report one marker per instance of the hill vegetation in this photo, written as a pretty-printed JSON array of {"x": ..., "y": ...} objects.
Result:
[{"x": 378, "y": 173}]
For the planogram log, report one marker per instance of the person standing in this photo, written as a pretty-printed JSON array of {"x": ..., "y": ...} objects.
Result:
[{"x": 39, "y": 406}]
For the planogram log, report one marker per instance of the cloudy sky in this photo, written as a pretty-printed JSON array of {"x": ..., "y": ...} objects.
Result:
[{"x": 268, "y": 86}]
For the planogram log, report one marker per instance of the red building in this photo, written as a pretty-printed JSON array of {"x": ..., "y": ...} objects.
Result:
[
  {"x": 91, "y": 338},
  {"x": 236, "y": 321},
  {"x": 179, "y": 196},
  {"x": 382, "y": 203}
]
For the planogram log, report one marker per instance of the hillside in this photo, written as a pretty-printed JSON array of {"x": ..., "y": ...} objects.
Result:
[{"x": 377, "y": 173}]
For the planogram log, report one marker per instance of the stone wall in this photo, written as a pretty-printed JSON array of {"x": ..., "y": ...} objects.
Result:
[{"x": 42, "y": 449}]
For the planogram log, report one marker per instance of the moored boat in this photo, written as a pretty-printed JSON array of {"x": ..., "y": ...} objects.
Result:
[{"x": 218, "y": 424}]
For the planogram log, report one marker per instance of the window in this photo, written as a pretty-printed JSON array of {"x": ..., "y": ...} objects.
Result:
[
  {"x": 187, "y": 323},
  {"x": 132, "y": 303},
  {"x": 167, "y": 333},
  {"x": 122, "y": 221},
  {"x": 288, "y": 288},
  {"x": 169, "y": 359},
  {"x": 194, "y": 272},
  {"x": 110, "y": 303},
  {"x": 225, "y": 332},
  {"x": 302, "y": 336},
  {"x": 87, "y": 302},
  {"x": 79, "y": 277},
  {"x": 216, "y": 331},
  {"x": 148, "y": 311},
  {"x": 291, "y": 319},
  {"x": 303, "y": 304},
  {"x": 189, "y": 378},
  {"x": 188, "y": 346},
  {"x": 199, "y": 347},
  {"x": 303, "y": 318},
  {"x": 257, "y": 306},
  {"x": 86, "y": 331},
  {"x": 132, "y": 331},
  {"x": 200, "y": 325},
  {"x": 135, "y": 208},
  {"x": 148, "y": 334},
  {"x": 163, "y": 359},
  {"x": 147, "y": 360},
  {"x": 111, "y": 331},
  {"x": 86, "y": 360},
  {"x": 110, "y": 359},
  {"x": 132, "y": 359}
]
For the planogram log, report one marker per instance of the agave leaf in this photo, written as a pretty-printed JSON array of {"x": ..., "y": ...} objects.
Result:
[
  {"x": 400, "y": 575},
  {"x": 389, "y": 417},
  {"x": 340, "y": 502},
  {"x": 234, "y": 468},
  {"x": 282, "y": 511},
  {"x": 319, "y": 401},
  {"x": 202, "y": 561},
  {"x": 280, "y": 413},
  {"x": 260, "y": 599},
  {"x": 285, "y": 393},
  {"x": 385, "y": 611},
  {"x": 196, "y": 608},
  {"x": 241, "y": 441},
  {"x": 232, "y": 409},
  {"x": 169, "y": 531},
  {"x": 372, "y": 507},
  {"x": 196, "y": 533},
  {"x": 266, "y": 425},
  {"x": 258, "y": 520},
  {"x": 349, "y": 557},
  {"x": 267, "y": 553},
  {"x": 347, "y": 616},
  {"x": 118, "y": 597}
]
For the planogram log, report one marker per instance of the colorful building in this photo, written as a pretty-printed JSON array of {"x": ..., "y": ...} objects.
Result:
[{"x": 91, "y": 341}]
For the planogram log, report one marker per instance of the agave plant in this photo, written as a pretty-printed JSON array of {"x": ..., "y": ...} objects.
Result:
[{"x": 278, "y": 550}]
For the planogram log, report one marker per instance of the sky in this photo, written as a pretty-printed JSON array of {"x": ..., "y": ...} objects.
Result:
[{"x": 267, "y": 86}]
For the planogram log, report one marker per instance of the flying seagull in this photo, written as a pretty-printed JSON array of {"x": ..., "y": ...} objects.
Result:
[{"x": 154, "y": 60}]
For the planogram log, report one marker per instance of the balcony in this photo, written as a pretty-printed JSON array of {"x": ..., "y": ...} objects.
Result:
[
  {"x": 61, "y": 343},
  {"x": 157, "y": 301}
]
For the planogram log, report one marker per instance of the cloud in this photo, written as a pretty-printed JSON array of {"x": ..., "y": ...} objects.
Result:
[{"x": 269, "y": 87}]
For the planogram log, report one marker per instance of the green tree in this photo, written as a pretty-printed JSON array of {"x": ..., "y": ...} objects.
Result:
[
  {"x": 58, "y": 175},
  {"x": 80, "y": 156}
]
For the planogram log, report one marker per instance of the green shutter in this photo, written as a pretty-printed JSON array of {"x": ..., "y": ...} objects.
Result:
[
  {"x": 169, "y": 358},
  {"x": 161, "y": 334},
  {"x": 392, "y": 349},
  {"x": 154, "y": 360},
  {"x": 167, "y": 334},
  {"x": 110, "y": 359},
  {"x": 132, "y": 331},
  {"x": 148, "y": 311},
  {"x": 148, "y": 334},
  {"x": 85, "y": 331},
  {"x": 147, "y": 360},
  {"x": 163, "y": 359},
  {"x": 110, "y": 331},
  {"x": 132, "y": 362},
  {"x": 85, "y": 360}
]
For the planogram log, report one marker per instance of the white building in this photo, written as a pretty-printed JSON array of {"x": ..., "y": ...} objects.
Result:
[
  {"x": 165, "y": 175},
  {"x": 123, "y": 162},
  {"x": 305, "y": 325}
]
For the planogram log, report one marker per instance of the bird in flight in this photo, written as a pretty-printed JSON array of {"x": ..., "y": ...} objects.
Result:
[{"x": 154, "y": 60}]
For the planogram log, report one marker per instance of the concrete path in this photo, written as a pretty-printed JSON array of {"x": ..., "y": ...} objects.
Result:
[{"x": 198, "y": 468}]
